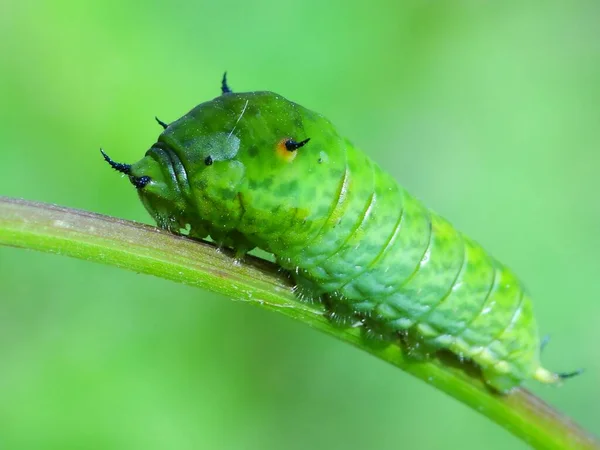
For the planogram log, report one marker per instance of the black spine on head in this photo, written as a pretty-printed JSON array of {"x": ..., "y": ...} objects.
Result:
[
  {"x": 224, "y": 86},
  {"x": 123, "y": 168},
  {"x": 161, "y": 123}
]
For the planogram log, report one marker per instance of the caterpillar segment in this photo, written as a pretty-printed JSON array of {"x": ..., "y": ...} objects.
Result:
[
  {"x": 256, "y": 170},
  {"x": 404, "y": 265}
]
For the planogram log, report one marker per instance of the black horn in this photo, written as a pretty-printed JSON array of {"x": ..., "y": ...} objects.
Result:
[
  {"x": 123, "y": 168},
  {"x": 224, "y": 86}
]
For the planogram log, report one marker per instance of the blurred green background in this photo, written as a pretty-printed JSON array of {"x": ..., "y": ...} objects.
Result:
[{"x": 488, "y": 111}]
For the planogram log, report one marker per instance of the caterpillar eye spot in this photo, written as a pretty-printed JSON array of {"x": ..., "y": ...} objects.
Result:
[
  {"x": 208, "y": 160},
  {"x": 291, "y": 145},
  {"x": 286, "y": 148}
]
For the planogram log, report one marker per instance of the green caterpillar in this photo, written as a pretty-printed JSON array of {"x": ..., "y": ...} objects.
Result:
[{"x": 256, "y": 170}]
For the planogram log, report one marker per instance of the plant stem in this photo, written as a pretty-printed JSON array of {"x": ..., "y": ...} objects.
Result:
[{"x": 146, "y": 249}]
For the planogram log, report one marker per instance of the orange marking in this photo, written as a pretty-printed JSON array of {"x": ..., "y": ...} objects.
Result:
[{"x": 283, "y": 152}]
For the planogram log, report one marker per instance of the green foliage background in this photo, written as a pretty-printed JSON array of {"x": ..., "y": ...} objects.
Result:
[{"x": 488, "y": 111}]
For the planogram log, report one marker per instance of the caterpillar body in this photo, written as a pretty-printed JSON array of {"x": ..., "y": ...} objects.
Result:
[{"x": 256, "y": 170}]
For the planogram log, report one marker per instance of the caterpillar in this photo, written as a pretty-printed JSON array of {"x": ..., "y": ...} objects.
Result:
[{"x": 255, "y": 170}]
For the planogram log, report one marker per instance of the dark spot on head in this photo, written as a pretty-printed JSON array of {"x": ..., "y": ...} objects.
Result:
[
  {"x": 208, "y": 160},
  {"x": 140, "y": 182},
  {"x": 253, "y": 151}
]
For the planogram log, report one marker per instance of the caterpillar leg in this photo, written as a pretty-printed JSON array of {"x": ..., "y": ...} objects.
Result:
[
  {"x": 501, "y": 382},
  {"x": 304, "y": 289},
  {"x": 502, "y": 376},
  {"x": 344, "y": 315},
  {"x": 341, "y": 314},
  {"x": 416, "y": 347}
]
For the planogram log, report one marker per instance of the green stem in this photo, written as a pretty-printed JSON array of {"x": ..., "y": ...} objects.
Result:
[{"x": 146, "y": 249}]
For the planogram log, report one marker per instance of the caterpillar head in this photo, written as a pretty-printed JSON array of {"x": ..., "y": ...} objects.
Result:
[{"x": 226, "y": 157}]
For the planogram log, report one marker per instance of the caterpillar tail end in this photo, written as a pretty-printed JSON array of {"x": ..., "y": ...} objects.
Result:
[
  {"x": 567, "y": 375},
  {"x": 545, "y": 376}
]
